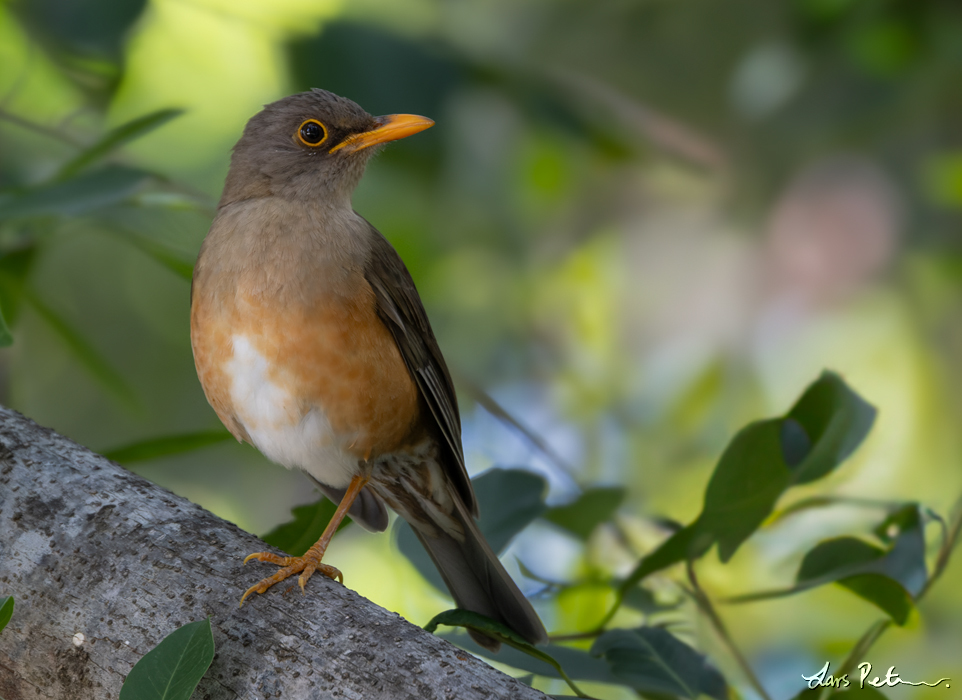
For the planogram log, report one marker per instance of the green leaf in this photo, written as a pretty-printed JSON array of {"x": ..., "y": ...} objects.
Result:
[
  {"x": 162, "y": 254},
  {"x": 588, "y": 511},
  {"x": 750, "y": 476},
  {"x": 502, "y": 633},
  {"x": 115, "y": 138},
  {"x": 15, "y": 266},
  {"x": 853, "y": 692},
  {"x": 850, "y": 562},
  {"x": 643, "y": 600},
  {"x": 6, "y": 611},
  {"x": 300, "y": 534},
  {"x": 904, "y": 531},
  {"x": 762, "y": 461},
  {"x": 687, "y": 543},
  {"x": 836, "y": 419},
  {"x": 820, "y": 431},
  {"x": 166, "y": 446},
  {"x": 652, "y": 660},
  {"x": 82, "y": 350},
  {"x": 83, "y": 193},
  {"x": 6, "y": 337},
  {"x": 889, "y": 577},
  {"x": 578, "y": 664},
  {"x": 829, "y": 500},
  {"x": 832, "y": 558},
  {"x": 509, "y": 500},
  {"x": 886, "y": 594},
  {"x": 172, "y": 669}
]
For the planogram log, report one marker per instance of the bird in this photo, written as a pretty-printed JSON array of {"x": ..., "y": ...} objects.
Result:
[{"x": 311, "y": 343}]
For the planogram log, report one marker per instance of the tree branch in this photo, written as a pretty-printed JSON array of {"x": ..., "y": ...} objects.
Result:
[{"x": 104, "y": 564}]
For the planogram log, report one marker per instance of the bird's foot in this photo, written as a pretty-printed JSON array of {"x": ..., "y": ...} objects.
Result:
[{"x": 305, "y": 565}]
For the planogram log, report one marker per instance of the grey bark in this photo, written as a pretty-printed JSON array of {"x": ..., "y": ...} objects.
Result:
[{"x": 88, "y": 548}]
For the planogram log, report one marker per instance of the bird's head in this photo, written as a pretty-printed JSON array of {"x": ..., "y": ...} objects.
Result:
[{"x": 310, "y": 145}]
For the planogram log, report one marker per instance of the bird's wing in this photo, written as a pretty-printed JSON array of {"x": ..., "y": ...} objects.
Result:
[{"x": 400, "y": 307}]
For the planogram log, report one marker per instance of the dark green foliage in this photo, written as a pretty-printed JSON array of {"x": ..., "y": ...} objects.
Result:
[
  {"x": 166, "y": 446},
  {"x": 6, "y": 611},
  {"x": 83, "y": 351},
  {"x": 6, "y": 338},
  {"x": 889, "y": 578},
  {"x": 15, "y": 266},
  {"x": 116, "y": 138},
  {"x": 91, "y": 27},
  {"x": 172, "y": 669},
  {"x": 509, "y": 499},
  {"x": 85, "y": 192},
  {"x": 578, "y": 664},
  {"x": 588, "y": 511},
  {"x": 820, "y": 431},
  {"x": 496, "y": 630}
]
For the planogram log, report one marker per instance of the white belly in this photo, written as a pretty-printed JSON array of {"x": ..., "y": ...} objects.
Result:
[{"x": 280, "y": 426}]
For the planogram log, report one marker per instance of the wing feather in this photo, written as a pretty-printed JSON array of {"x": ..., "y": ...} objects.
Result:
[{"x": 400, "y": 307}]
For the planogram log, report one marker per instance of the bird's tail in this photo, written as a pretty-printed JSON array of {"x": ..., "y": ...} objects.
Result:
[{"x": 478, "y": 581}]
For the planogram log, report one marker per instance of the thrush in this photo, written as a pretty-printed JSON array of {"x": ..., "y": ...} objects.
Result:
[{"x": 311, "y": 343}]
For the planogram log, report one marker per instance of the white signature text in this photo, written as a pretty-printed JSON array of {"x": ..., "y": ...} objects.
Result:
[{"x": 824, "y": 679}]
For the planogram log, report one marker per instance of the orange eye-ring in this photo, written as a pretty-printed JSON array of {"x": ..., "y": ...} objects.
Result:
[{"x": 311, "y": 133}]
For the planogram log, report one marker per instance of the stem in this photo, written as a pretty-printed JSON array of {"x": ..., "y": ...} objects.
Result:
[
  {"x": 488, "y": 403},
  {"x": 705, "y": 605},
  {"x": 859, "y": 650},
  {"x": 825, "y": 501},
  {"x": 576, "y": 636},
  {"x": 38, "y": 128},
  {"x": 619, "y": 598},
  {"x": 949, "y": 541}
]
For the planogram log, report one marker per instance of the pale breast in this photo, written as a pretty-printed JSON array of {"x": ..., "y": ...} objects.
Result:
[
  {"x": 275, "y": 420},
  {"x": 318, "y": 387}
]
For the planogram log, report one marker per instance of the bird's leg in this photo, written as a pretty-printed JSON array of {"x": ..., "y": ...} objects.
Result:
[{"x": 311, "y": 561}]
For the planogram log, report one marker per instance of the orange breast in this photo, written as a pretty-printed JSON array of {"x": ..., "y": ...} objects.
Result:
[{"x": 334, "y": 358}]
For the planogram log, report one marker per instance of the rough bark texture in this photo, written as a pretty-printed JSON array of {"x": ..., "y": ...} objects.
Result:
[{"x": 87, "y": 548}]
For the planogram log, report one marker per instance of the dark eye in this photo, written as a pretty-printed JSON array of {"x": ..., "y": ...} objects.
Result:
[{"x": 311, "y": 132}]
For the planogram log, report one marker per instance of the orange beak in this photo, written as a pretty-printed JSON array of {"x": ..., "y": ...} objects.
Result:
[{"x": 390, "y": 128}]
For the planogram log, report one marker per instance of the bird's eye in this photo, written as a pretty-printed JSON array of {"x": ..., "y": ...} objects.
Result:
[{"x": 311, "y": 133}]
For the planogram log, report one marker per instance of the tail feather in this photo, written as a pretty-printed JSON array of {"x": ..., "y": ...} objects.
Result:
[{"x": 478, "y": 582}]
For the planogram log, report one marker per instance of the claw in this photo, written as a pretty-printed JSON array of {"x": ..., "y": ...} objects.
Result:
[{"x": 311, "y": 561}]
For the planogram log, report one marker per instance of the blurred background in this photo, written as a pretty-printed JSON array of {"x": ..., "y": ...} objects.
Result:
[{"x": 636, "y": 226}]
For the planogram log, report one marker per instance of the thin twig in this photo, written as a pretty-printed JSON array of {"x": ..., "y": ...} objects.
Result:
[
  {"x": 575, "y": 636},
  {"x": 825, "y": 501},
  {"x": 949, "y": 541},
  {"x": 498, "y": 411},
  {"x": 39, "y": 128},
  {"x": 705, "y": 605},
  {"x": 666, "y": 133},
  {"x": 859, "y": 650}
]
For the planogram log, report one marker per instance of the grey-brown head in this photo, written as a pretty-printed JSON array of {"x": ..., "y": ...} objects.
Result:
[{"x": 310, "y": 145}]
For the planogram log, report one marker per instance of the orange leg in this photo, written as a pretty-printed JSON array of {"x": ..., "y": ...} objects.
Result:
[{"x": 311, "y": 561}]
